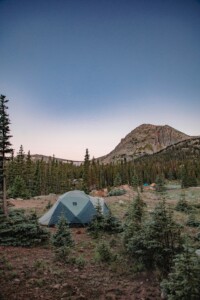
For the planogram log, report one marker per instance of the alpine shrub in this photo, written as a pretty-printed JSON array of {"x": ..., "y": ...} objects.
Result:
[
  {"x": 111, "y": 224},
  {"x": 182, "y": 204},
  {"x": 157, "y": 241},
  {"x": 134, "y": 217},
  {"x": 184, "y": 281},
  {"x": 117, "y": 192},
  {"x": 62, "y": 237},
  {"x": 103, "y": 252},
  {"x": 192, "y": 222},
  {"x": 101, "y": 223},
  {"x": 97, "y": 223},
  {"x": 21, "y": 230}
]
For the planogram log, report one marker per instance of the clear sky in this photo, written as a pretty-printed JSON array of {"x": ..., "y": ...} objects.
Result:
[{"x": 84, "y": 73}]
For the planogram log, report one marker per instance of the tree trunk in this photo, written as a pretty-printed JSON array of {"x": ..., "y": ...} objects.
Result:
[{"x": 5, "y": 206}]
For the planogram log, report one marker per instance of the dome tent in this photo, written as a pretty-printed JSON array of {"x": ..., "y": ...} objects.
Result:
[{"x": 76, "y": 206}]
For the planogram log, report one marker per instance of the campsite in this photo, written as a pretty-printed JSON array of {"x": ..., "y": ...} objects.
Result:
[
  {"x": 99, "y": 150},
  {"x": 35, "y": 273}
]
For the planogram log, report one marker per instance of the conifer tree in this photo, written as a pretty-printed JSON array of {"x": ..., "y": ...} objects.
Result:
[
  {"x": 21, "y": 162},
  {"x": 29, "y": 172},
  {"x": 86, "y": 179},
  {"x": 19, "y": 188},
  {"x": 117, "y": 180},
  {"x": 158, "y": 240},
  {"x": 37, "y": 180},
  {"x": 135, "y": 182},
  {"x": 160, "y": 184},
  {"x": 134, "y": 217},
  {"x": 62, "y": 237},
  {"x": 5, "y": 147},
  {"x": 184, "y": 280}
]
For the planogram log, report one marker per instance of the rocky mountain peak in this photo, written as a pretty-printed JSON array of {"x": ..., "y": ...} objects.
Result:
[{"x": 144, "y": 139}]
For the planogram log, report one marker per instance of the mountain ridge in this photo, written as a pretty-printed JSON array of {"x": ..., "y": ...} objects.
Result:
[{"x": 145, "y": 139}]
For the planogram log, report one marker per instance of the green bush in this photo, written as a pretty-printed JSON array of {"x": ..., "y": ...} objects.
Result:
[
  {"x": 155, "y": 242},
  {"x": 198, "y": 236},
  {"x": 63, "y": 253},
  {"x": 103, "y": 252},
  {"x": 97, "y": 223},
  {"x": 111, "y": 224},
  {"x": 101, "y": 223},
  {"x": 117, "y": 192},
  {"x": 134, "y": 217},
  {"x": 192, "y": 222},
  {"x": 62, "y": 237},
  {"x": 21, "y": 230},
  {"x": 80, "y": 262},
  {"x": 49, "y": 205},
  {"x": 184, "y": 281},
  {"x": 19, "y": 189},
  {"x": 182, "y": 204}
]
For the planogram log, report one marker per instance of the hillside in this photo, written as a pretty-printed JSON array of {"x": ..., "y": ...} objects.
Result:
[
  {"x": 46, "y": 158},
  {"x": 170, "y": 162},
  {"x": 189, "y": 149},
  {"x": 145, "y": 139}
]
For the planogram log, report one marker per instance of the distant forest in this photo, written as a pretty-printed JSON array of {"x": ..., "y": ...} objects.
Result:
[{"x": 28, "y": 178}]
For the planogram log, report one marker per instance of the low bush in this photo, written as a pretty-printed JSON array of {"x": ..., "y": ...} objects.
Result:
[
  {"x": 154, "y": 243},
  {"x": 192, "y": 222},
  {"x": 117, "y": 192},
  {"x": 62, "y": 237},
  {"x": 101, "y": 223},
  {"x": 182, "y": 204},
  {"x": 103, "y": 252},
  {"x": 184, "y": 280},
  {"x": 21, "y": 230}
]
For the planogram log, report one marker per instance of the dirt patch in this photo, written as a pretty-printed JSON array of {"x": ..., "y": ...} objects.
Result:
[{"x": 33, "y": 273}]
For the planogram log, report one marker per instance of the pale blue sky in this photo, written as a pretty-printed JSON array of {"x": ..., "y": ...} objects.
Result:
[{"x": 83, "y": 73}]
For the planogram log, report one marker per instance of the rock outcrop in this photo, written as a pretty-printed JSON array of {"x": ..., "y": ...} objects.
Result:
[{"x": 145, "y": 139}]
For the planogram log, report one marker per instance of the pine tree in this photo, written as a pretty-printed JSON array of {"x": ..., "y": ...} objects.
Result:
[
  {"x": 184, "y": 280},
  {"x": 117, "y": 180},
  {"x": 157, "y": 241},
  {"x": 86, "y": 179},
  {"x": 62, "y": 237},
  {"x": 19, "y": 188},
  {"x": 29, "y": 173},
  {"x": 134, "y": 217},
  {"x": 21, "y": 162},
  {"x": 182, "y": 204},
  {"x": 5, "y": 147},
  {"x": 160, "y": 184},
  {"x": 164, "y": 237},
  {"x": 135, "y": 182}
]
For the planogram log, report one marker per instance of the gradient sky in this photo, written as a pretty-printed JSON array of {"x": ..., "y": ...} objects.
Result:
[{"x": 84, "y": 73}]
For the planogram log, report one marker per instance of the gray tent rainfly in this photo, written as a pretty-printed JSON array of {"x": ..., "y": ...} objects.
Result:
[{"x": 76, "y": 206}]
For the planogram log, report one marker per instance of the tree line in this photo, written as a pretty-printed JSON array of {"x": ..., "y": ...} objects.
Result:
[
  {"x": 21, "y": 176},
  {"x": 28, "y": 178}
]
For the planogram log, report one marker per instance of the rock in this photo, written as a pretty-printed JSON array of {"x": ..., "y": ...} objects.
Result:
[
  {"x": 163, "y": 295},
  {"x": 121, "y": 202},
  {"x": 197, "y": 252},
  {"x": 10, "y": 203},
  {"x": 56, "y": 286},
  {"x": 16, "y": 280}
]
